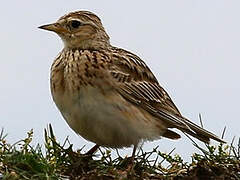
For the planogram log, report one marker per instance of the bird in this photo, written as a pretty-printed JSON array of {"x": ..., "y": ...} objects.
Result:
[{"x": 108, "y": 95}]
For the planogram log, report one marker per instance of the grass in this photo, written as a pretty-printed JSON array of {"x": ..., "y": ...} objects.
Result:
[{"x": 58, "y": 161}]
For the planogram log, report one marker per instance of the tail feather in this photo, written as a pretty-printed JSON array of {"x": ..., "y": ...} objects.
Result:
[
  {"x": 185, "y": 125},
  {"x": 171, "y": 134},
  {"x": 199, "y": 133}
]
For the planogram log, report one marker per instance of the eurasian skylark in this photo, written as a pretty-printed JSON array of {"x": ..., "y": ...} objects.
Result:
[{"x": 109, "y": 95}]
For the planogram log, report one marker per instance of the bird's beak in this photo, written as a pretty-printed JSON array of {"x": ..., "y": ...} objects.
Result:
[{"x": 55, "y": 27}]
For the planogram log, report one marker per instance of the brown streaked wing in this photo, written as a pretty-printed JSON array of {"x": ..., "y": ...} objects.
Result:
[{"x": 138, "y": 85}]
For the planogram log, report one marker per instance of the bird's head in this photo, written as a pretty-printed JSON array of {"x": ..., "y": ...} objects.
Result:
[{"x": 80, "y": 29}]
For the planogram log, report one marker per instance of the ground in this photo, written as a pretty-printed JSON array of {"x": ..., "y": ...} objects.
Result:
[{"x": 58, "y": 161}]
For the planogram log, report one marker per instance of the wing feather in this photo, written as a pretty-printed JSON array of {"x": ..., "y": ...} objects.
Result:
[{"x": 142, "y": 88}]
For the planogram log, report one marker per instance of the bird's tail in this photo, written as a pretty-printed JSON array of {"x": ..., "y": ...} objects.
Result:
[{"x": 198, "y": 132}]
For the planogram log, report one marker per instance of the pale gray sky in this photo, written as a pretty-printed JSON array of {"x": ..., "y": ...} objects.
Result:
[{"x": 191, "y": 46}]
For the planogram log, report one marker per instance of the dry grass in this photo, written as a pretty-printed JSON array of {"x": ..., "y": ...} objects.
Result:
[{"x": 59, "y": 161}]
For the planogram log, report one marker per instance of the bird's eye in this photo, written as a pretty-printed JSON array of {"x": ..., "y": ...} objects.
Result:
[{"x": 75, "y": 24}]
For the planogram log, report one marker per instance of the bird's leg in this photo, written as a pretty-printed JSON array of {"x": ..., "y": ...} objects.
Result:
[
  {"x": 85, "y": 158},
  {"x": 93, "y": 150},
  {"x": 130, "y": 166},
  {"x": 133, "y": 153}
]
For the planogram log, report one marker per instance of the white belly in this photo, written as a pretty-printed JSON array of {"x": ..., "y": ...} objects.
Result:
[{"x": 108, "y": 120}]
